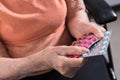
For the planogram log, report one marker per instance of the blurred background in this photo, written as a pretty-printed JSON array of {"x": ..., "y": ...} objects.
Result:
[
  {"x": 113, "y": 2},
  {"x": 115, "y": 39}
]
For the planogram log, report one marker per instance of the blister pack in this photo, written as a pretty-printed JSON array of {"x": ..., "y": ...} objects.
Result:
[
  {"x": 96, "y": 46},
  {"x": 100, "y": 47}
]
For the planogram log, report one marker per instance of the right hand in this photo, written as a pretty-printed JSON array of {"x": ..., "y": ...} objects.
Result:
[{"x": 56, "y": 58}]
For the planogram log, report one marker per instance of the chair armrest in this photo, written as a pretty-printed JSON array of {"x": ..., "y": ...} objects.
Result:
[{"x": 101, "y": 11}]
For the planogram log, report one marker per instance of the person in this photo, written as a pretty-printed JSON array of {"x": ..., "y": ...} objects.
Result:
[{"x": 36, "y": 37}]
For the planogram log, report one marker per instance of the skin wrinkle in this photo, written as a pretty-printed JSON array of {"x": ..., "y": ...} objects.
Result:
[
  {"x": 0, "y": 29},
  {"x": 33, "y": 19},
  {"x": 22, "y": 16},
  {"x": 76, "y": 7}
]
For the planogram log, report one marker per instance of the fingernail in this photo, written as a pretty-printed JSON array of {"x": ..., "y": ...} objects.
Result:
[
  {"x": 85, "y": 50},
  {"x": 100, "y": 35}
]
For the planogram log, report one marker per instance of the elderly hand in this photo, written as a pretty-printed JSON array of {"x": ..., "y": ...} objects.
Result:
[
  {"x": 56, "y": 58},
  {"x": 78, "y": 28}
]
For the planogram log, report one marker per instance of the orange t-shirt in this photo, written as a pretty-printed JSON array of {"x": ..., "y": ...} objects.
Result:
[
  {"x": 32, "y": 24},
  {"x": 22, "y": 21}
]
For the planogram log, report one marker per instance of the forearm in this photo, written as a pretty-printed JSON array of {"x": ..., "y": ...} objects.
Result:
[
  {"x": 9, "y": 68},
  {"x": 78, "y": 22},
  {"x": 14, "y": 69},
  {"x": 77, "y": 19},
  {"x": 76, "y": 9}
]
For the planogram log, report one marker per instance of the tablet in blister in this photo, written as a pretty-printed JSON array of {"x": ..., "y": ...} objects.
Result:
[
  {"x": 87, "y": 41},
  {"x": 100, "y": 47},
  {"x": 95, "y": 45}
]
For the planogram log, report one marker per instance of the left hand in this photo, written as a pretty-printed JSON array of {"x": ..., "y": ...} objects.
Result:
[{"x": 78, "y": 29}]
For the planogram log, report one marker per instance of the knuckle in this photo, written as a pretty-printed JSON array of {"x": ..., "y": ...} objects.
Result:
[
  {"x": 65, "y": 73},
  {"x": 68, "y": 74},
  {"x": 50, "y": 48},
  {"x": 63, "y": 68},
  {"x": 62, "y": 47},
  {"x": 76, "y": 47}
]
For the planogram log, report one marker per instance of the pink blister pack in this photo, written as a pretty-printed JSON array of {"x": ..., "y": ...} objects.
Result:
[
  {"x": 95, "y": 45},
  {"x": 86, "y": 41}
]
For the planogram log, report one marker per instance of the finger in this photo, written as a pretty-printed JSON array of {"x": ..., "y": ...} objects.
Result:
[
  {"x": 76, "y": 62},
  {"x": 73, "y": 62},
  {"x": 97, "y": 31},
  {"x": 102, "y": 29},
  {"x": 78, "y": 35},
  {"x": 70, "y": 50}
]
